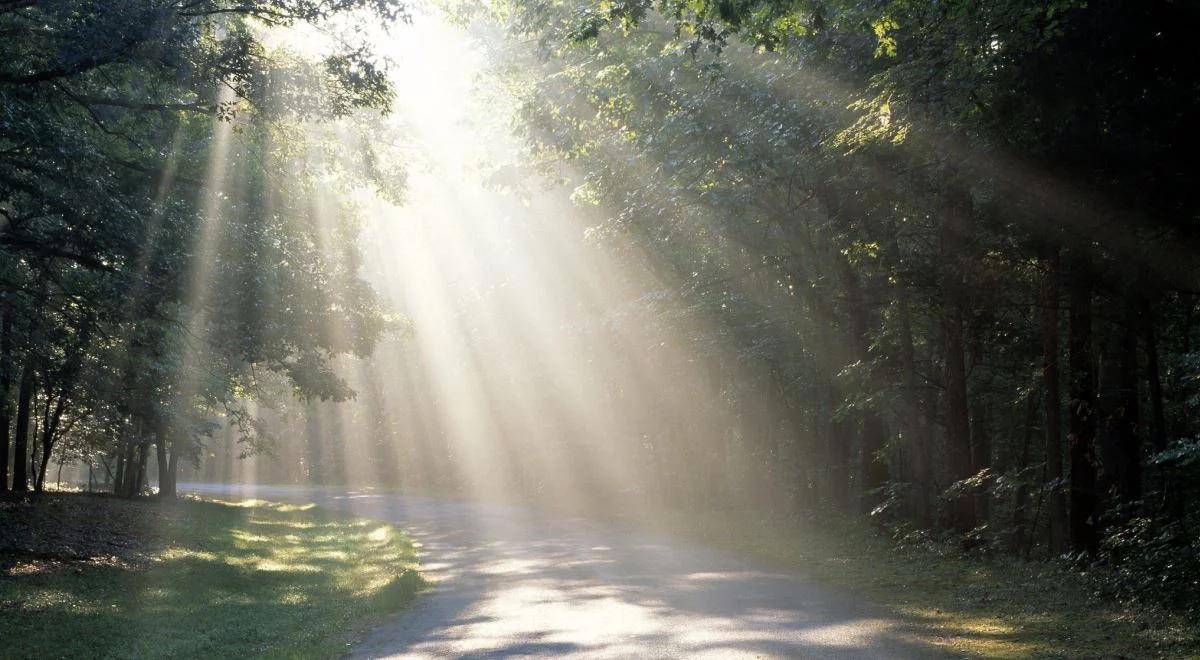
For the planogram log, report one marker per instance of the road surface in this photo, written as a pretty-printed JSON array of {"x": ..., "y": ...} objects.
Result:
[{"x": 510, "y": 582}]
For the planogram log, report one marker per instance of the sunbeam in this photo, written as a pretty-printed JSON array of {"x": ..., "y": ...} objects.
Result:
[{"x": 505, "y": 328}]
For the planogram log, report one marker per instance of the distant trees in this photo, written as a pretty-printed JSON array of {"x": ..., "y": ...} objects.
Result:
[{"x": 160, "y": 239}]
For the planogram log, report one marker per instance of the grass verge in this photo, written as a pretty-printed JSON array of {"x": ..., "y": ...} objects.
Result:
[
  {"x": 206, "y": 579},
  {"x": 968, "y": 606}
]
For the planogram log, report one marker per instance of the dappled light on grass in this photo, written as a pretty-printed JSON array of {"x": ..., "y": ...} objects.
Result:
[{"x": 252, "y": 579}]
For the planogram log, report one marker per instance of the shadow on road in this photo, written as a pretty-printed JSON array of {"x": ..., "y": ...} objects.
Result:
[{"x": 512, "y": 582}]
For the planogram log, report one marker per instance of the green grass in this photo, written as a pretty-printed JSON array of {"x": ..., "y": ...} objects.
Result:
[
  {"x": 969, "y": 606},
  {"x": 226, "y": 580}
]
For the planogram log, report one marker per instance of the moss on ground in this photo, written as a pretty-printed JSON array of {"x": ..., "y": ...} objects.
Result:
[{"x": 209, "y": 579}]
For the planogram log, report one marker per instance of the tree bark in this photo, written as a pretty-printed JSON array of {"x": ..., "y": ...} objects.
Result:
[
  {"x": 1119, "y": 476},
  {"x": 955, "y": 231},
  {"x": 6, "y": 368},
  {"x": 160, "y": 453},
  {"x": 1020, "y": 508},
  {"x": 839, "y": 453},
  {"x": 872, "y": 471},
  {"x": 918, "y": 439},
  {"x": 143, "y": 455},
  {"x": 173, "y": 472},
  {"x": 958, "y": 421},
  {"x": 127, "y": 470},
  {"x": 1158, "y": 419},
  {"x": 20, "y": 468},
  {"x": 1082, "y": 422},
  {"x": 981, "y": 440},
  {"x": 49, "y": 436},
  {"x": 1052, "y": 432},
  {"x": 118, "y": 479},
  {"x": 168, "y": 462}
]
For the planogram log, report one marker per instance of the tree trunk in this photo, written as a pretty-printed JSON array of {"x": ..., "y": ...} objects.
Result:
[
  {"x": 118, "y": 480},
  {"x": 1131, "y": 442},
  {"x": 1052, "y": 432},
  {"x": 49, "y": 436},
  {"x": 956, "y": 229},
  {"x": 981, "y": 455},
  {"x": 6, "y": 368},
  {"x": 173, "y": 472},
  {"x": 1182, "y": 424},
  {"x": 1158, "y": 419},
  {"x": 917, "y": 435},
  {"x": 981, "y": 440},
  {"x": 39, "y": 483},
  {"x": 1116, "y": 477},
  {"x": 958, "y": 421},
  {"x": 143, "y": 455},
  {"x": 168, "y": 466},
  {"x": 127, "y": 470},
  {"x": 1020, "y": 508},
  {"x": 1082, "y": 421},
  {"x": 20, "y": 467},
  {"x": 872, "y": 471},
  {"x": 160, "y": 451},
  {"x": 839, "y": 453}
]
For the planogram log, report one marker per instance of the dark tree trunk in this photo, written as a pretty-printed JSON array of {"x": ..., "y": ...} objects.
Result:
[
  {"x": 20, "y": 468},
  {"x": 872, "y": 471},
  {"x": 128, "y": 470},
  {"x": 981, "y": 454},
  {"x": 956, "y": 230},
  {"x": 160, "y": 451},
  {"x": 839, "y": 453},
  {"x": 932, "y": 410},
  {"x": 958, "y": 421},
  {"x": 49, "y": 436},
  {"x": 1158, "y": 419},
  {"x": 1119, "y": 477},
  {"x": 1082, "y": 418},
  {"x": 173, "y": 472},
  {"x": 1052, "y": 433},
  {"x": 1182, "y": 424},
  {"x": 917, "y": 436},
  {"x": 1131, "y": 441},
  {"x": 6, "y": 373},
  {"x": 981, "y": 440},
  {"x": 168, "y": 465},
  {"x": 143, "y": 455},
  {"x": 118, "y": 479},
  {"x": 1021, "y": 507}
]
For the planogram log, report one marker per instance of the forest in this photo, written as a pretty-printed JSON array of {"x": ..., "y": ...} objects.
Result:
[{"x": 934, "y": 267}]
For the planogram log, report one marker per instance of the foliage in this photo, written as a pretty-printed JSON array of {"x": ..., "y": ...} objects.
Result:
[
  {"x": 868, "y": 210},
  {"x": 166, "y": 236}
]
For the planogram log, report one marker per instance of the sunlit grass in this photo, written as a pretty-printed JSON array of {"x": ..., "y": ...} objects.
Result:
[
  {"x": 236, "y": 580},
  {"x": 971, "y": 607}
]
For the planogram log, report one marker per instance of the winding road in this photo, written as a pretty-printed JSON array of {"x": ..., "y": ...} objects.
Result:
[{"x": 511, "y": 582}]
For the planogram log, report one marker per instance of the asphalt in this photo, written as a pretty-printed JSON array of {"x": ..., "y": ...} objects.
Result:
[{"x": 512, "y": 582}]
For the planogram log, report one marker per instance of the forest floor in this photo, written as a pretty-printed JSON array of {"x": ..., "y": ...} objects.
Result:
[
  {"x": 94, "y": 576},
  {"x": 993, "y": 607}
]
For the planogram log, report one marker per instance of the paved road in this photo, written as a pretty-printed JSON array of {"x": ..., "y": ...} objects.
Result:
[{"x": 510, "y": 582}]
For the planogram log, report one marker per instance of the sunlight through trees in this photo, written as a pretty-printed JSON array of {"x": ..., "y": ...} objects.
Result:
[{"x": 933, "y": 266}]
